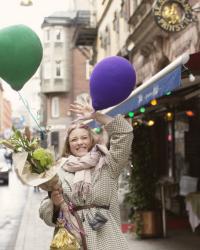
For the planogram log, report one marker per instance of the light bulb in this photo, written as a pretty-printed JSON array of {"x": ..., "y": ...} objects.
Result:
[
  {"x": 191, "y": 77},
  {"x": 150, "y": 123},
  {"x": 189, "y": 113},
  {"x": 169, "y": 116},
  {"x": 154, "y": 102}
]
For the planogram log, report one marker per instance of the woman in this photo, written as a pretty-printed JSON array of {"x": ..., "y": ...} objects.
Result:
[{"x": 90, "y": 179}]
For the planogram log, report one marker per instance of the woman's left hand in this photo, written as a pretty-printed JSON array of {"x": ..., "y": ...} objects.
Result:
[{"x": 84, "y": 112}]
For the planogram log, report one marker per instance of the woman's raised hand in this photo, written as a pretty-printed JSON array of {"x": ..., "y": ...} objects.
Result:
[{"x": 83, "y": 111}]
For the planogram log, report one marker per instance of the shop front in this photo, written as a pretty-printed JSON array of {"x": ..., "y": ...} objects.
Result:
[{"x": 169, "y": 104}]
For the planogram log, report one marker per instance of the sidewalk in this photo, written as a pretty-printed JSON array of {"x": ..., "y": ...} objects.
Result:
[
  {"x": 34, "y": 234},
  {"x": 176, "y": 240}
]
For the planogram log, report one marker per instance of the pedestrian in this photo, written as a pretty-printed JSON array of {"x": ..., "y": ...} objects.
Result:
[
  {"x": 36, "y": 189},
  {"x": 3, "y": 152},
  {"x": 9, "y": 156},
  {"x": 90, "y": 179}
]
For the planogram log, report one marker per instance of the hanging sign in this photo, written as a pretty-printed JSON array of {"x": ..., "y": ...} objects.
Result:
[{"x": 172, "y": 15}]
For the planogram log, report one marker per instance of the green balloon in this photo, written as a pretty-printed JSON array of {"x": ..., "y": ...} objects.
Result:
[{"x": 20, "y": 55}]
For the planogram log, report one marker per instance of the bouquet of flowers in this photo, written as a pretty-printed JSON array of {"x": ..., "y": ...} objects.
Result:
[{"x": 36, "y": 166}]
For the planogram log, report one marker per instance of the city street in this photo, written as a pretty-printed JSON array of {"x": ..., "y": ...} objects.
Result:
[
  {"x": 22, "y": 229},
  {"x": 33, "y": 231},
  {"x": 100, "y": 115},
  {"x": 12, "y": 202}
]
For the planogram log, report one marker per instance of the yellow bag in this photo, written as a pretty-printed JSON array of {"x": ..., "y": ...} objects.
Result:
[{"x": 63, "y": 240}]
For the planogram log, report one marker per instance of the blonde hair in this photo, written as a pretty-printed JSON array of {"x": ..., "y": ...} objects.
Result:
[{"x": 66, "y": 150}]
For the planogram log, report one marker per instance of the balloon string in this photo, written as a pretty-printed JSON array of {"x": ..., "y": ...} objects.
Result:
[{"x": 28, "y": 109}]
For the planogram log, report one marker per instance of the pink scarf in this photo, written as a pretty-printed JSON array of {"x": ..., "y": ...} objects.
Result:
[{"x": 83, "y": 168}]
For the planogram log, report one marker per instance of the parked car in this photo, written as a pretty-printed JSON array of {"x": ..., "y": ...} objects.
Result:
[
  {"x": 4, "y": 172},
  {"x": 9, "y": 156},
  {"x": 5, "y": 166}
]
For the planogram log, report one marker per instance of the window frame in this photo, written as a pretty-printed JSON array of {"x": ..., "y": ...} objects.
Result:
[{"x": 55, "y": 107}]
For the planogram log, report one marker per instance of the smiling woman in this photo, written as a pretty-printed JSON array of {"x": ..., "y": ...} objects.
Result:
[
  {"x": 80, "y": 142},
  {"x": 79, "y": 138},
  {"x": 89, "y": 178}
]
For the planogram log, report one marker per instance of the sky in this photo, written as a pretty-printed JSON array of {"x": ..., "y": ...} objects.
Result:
[{"x": 11, "y": 13}]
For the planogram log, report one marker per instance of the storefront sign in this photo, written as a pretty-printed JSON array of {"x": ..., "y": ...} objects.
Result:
[{"x": 173, "y": 15}]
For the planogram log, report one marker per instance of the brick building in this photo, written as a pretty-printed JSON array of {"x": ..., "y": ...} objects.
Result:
[
  {"x": 5, "y": 113},
  {"x": 63, "y": 72}
]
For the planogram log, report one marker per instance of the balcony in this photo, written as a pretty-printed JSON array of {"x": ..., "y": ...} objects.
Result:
[
  {"x": 85, "y": 31},
  {"x": 57, "y": 85}
]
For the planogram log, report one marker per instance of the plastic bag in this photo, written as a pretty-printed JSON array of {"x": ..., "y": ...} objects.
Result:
[{"x": 63, "y": 240}]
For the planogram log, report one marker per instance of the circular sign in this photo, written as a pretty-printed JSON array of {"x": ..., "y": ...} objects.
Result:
[{"x": 172, "y": 16}]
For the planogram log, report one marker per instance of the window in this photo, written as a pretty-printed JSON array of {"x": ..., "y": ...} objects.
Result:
[
  {"x": 55, "y": 140},
  {"x": 116, "y": 22},
  {"x": 88, "y": 69},
  {"x": 55, "y": 110},
  {"x": 58, "y": 35},
  {"x": 125, "y": 9},
  {"x": 58, "y": 69},
  {"x": 101, "y": 40},
  {"x": 122, "y": 12},
  {"x": 83, "y": 98},
  {"x": 105, "y": 38}
]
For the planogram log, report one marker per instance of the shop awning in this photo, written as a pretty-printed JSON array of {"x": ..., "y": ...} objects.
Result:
[
  {"x": 159, "y": 88},
  {"x": 193, "y": 63},
  {"x": 166, "y": 80}
]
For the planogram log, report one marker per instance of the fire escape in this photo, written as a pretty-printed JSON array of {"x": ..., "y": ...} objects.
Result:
[{"x": 85, "y": 31}]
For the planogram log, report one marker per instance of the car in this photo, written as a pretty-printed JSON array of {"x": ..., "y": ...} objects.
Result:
[
  {"x": 5, "y": 164},
  {"x": 4, "y": 172}
]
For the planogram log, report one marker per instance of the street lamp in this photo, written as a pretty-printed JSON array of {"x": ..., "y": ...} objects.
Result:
[{"x": 26, "y": 3}]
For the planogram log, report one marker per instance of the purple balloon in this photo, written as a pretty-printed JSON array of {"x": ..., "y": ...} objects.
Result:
[{"x": 111, "y": 82}]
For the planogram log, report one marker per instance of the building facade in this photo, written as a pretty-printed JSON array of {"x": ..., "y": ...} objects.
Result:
[
  {"x": 5, "y": 115},
  {"x": 133, "y": 29},
  {"x": 63, "y": 72}
]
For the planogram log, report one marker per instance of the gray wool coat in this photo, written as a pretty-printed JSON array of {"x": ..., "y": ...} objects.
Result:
[{"x": 104, "y": 191}]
